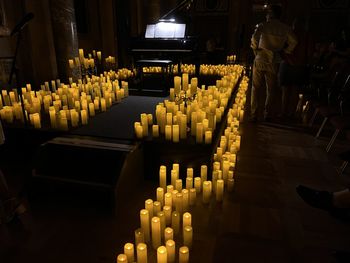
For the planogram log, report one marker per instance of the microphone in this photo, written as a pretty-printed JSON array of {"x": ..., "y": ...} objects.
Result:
[{"x": 22, "y": 23}]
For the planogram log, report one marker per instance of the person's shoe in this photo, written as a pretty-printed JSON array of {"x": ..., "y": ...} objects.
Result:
[{"x": 318, "y": 199}]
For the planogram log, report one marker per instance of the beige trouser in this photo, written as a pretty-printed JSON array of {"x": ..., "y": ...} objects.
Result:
[{"x": 264, "y": 77}]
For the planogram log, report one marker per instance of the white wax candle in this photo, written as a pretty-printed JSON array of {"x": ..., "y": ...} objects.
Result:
[
  {"x": 162, "y": 177},
  {"x": 168, "y": 129},
  {"x": 190, "y": 172},
  {"x": 162, "y": 256},
  {"x": 161, "y": 215},
  {"x": 169, "y": 118},
  {"x": 204, "y": 171},
  {"x": 175, "y": 222},
  {"x": 138, "y": 130},
  {"x": 141, "y": 253},
  {"x": 145, "y": 224},
  {"x": 174, "y": 177},
  {"x": 169, "y": 188},
  {"x": 176, "y": 135},
  {"x": 170, "y": 247},
  {"x": 156, "y": 236},
  {"x": 183, "y": 126},
  {"x": 188, "y": 236},
  {"x": 192, "y": 196},
  {"x": 139, "y": 236},
  {"x": 156, "y": 207},
  {"x": 199, "y": 133},
  {"x": 193, "y": 123},
  {"x": 206, "y": 191},
  {"x": 178, "y": 185},
  {"x": 189, "y": 183},
  {"x": 144, "y": 123},
  {"x": 172, "y": 94},
  {"x": 225, "y": 169},
  {"x": 219, "y": 190},
  {"x": 197, "y": 184},
  {"x": 185, "y": 199},
  {"x": 150, "y": 119},
  {"x": 184, "y": 254},
  {"x": 178, "y": 203},
  {"x": 167, "y": 212},
  {"x": 84, "y": 118},
  {"x": 160, "y": 195},
  {"x": 71, "y": 63},
  {"x": 176, "y": 167},
  {"x": 122, "y": 258},
  {"x": 91, "y": 109},
  {"x": 185, "y": 81},
  {"x": 230, "y": 184},
  {"x": 129, "y": 251},
  {"x": 103, "y": 104},
  {"x": 155, "y": 130},
  {"x": 168, "y": 199},
  {"x": 168, "y": 234},
  {"x": 177, "y": 84}
]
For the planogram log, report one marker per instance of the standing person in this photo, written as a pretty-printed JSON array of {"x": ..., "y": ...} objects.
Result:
[
  {"x": 268, "y": 41},
  {"x": 293, "y": 71}
]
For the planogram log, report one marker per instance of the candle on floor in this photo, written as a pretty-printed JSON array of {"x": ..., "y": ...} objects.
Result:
[
  {"x": 175, "y": 222},
  {"x": 188, "y": 236},
  {"x": 156, "y": 207},
  {"x": 139, "y": 236},
  {"x": 176, "y": 135},
  {"x": 169, "y": 188},
  {"x": 177, "y": 85},
  {"x": 172, "y": 94},
  {"x": 178, "y": 203},
  {"x": 183, "y": 128},
  {"x": 91, "y": 109},
  {"x": 185, "y": 81},
  {"x": 160, "y": 195},
  {"x": 141, "y": 253},
  {"x": 197, "y": 184},
  {"x": 36, "y": 120},
  {"x": 168, "y": 234},
  {"x": 171, "y": 248},
  {"x": 230, "y": 184},
  {"x": 208, "y": 137},
  {"x": 162, "y": 177},
  {"x": 185, "y": 200},
  {"x": 189, "y": 183},
  {"x": 192, "y": 196},
  {"x": 156, "y": 236},
  {"x": 199, "y": 133},
  {"x": 155, "y": 130},
  {"x": 186, "y": 219},
  {"x": 168, "y": 132},
  {"x": 184, "y": 254},
  {"x": 167, "y": 212},
  {"x": 204, "y": 171},
  {"x": 174, "y": 177},
  {"x": 84, "y": 118},
  {"x": 103, "y": 104},
  {"x": 168, "y": 199},
  {"x": 129, "y": 251},
  {"x": 122, "y": 258},
  {"x": 176, "y": 167},
  {"x": 145, "y": 224},
  {"x": 150, "y": 119},
  {"x": 138, "y": 130},
  {"x": 178, "y": 185},
  {"x": 161, "y": 215},
  {"x": 206, "y": 191},
  {"x": 162, "y": 256},
  {"x": 219, "y": 190},
  {"x": 144, "y": 124},
  {"x": 149, "y": 207}
]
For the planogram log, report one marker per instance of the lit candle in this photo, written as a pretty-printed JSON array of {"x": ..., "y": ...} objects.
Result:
[
  {"x": 188, "y": 235},
  {"x": 186, "y": 219},
  {"x": 71, "y": 63},
  {"x": 177, "y": 85},
  {"x": 129, "y": 251},
  {"x": 168, "y": 132},
  {"x": 176, "y": 167},
  {"x": 156, "y": 237},
  {"x": 178, "y": 203},
  {"x": 122, "y": 258},
  {"x": 185, "y": 199},
  {"x": 162, "y": 177},
  {"x": 199, "y": 133},
  {"x": 162, "y": 256},
  {"x": 156, "y": 207},
  {"x": 167, "y": 212},
  {"x": 139, "y": 236},
  {"x": 168, "y": 234},
  {"x": 161, "y": 215},
  {"x": 189, "y": 183},
  {"x": 168, "y": 199},
  {"x": 144, "y": 218},
  {"x": 169, "y": 188},
  {"x": 174, "y": 177},
  {"x": 219, "y": 190},
  {"x": 170, "y": 247},
  {"x": 185, "y": 81},
  {"x": 197, "y": 184},
  {"x": 175, "y": 222},
  {"x": 155, "y": 130},
  {"x": 141, "y": 253},
  {"x": 178, "y": 185},
  {"x": 176, "y": 135},
  {"x": 91, "y": 109},
  {"x": 150, "y": 119},
  {"x": 160, "y": 195},
  {"x": 206, "y": 191},
  {"x": 103, "y": 104},
  {"x": 138, "y": 130},
  {"x": 208, "y": 137},
  {"x": 84, "y": 118},
  {"x": 204, "y": 171},
  {"x": 230, "y": 184},
  {"x": 183, "y": 127},
  {"x": 149, "y": 207},
  {"x": 184, "y": 254},
  {"x": 144, "y": 123},
  {"x": 192, "y": 196}
]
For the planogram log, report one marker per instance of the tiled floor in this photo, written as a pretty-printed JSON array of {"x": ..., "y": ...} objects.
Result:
[{"x": 263, "y": 220}]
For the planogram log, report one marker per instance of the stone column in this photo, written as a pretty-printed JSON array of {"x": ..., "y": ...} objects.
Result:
[{"x": 65, "y": 36}]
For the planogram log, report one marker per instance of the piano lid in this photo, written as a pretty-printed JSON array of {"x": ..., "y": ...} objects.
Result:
[{"x": 174, "y": 13}]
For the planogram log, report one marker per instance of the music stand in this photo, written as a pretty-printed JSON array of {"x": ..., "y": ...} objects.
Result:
[{"x": 17, "y": 30}]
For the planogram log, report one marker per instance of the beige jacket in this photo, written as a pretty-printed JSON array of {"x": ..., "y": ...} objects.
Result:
[{"x": 269, "y": 40}]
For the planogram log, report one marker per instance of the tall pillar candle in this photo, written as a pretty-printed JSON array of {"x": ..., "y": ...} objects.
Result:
[
  {"x": 168, "y": 199},
  {"x": 189, "y": 183},
  {"x": 192, "y": 196},
  {"x": 149, "y": 207},
  {"x": 177, "y": 85},
  {"x": 189, "y": 172},
  {"x": 178, "y": 203},
  {"x": 160, "y": 195},
  {"x": 161, "y": 216},
  {"x": 178, "y": 185},
  {"x": 121, "y": 258},
  {"x": 204, "y": 172},
  {"x": 144, "y": 123},
  {"x": 91, "y": 109},
  {"x": 185, "y": 199},
  {"x": 169, "y": 188},
  {"x": 139, "y": 236},
  {"x": 168, "y": 234},
  {"x": 184, "y": 255},
  {"x": 142, "y": 253},
  {"x": 174, "y": 177},
  {"x": 219, "y": 190},
  {"x": 187, "y": 236},
  {"x": 155, "y": 130},
  {"x": 197, "y": 184},
  {"x": 176, "y": 135},
  {"x": 167, "y": 212},
  {"x": 176, "y": 167},
  {"x": 162, "y": 177},
  {"x": 162, "y": 256},
  {"x": 186, "y": 219},
  {"x": 230, "y": 184},
  {"x": 185, "y": 81},
  {"x": 156, "y": 230},
  {"x": 175, "y": 222},
  {"x": 168, "y": 132},
  {"x": 206, "y": 191},
  {"x": 156, "y": 207},
  {"x": 145, "y": 224},
  {"x": 129, "y": 251},
  {"x": 199, "y": 133},
  {"x": 171, "y": 248},
  {"x": 183, "y": 127},
  {"x": 208, "y": 137}
]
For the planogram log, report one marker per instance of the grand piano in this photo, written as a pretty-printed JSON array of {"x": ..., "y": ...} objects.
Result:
[{"x": 167, "y": 40}]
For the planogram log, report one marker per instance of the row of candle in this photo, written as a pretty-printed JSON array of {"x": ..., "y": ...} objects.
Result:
[{"x": 231, "y": 58}]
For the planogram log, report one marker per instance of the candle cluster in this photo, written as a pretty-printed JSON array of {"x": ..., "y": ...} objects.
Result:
[
  {"x": 220, "y": 70},
  {"x": 190, "y": 110},
  {"x": 85, "y": 62},
  {"x": 64, "y": 105},
  {"x": 230, "y": 59}
]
